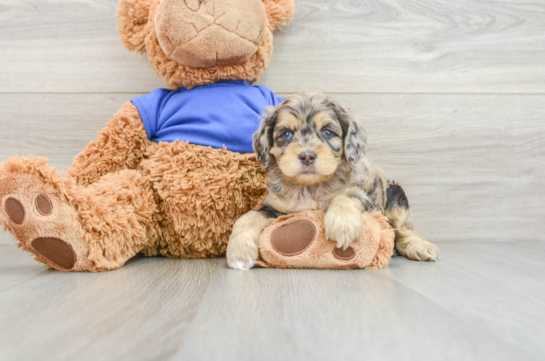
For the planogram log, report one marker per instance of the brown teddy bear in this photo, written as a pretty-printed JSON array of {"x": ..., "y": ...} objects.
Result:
[{"x": 173, "y": 169}]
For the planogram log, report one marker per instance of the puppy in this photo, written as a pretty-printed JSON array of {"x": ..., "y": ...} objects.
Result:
[{"x": 314, "y": 150}]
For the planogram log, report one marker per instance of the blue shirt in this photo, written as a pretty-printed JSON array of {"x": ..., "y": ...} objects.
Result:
[{"x": 226, "y": 113}]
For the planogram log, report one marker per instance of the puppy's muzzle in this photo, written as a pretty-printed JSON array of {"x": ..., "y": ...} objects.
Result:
[{"x": 307, "y": 158}]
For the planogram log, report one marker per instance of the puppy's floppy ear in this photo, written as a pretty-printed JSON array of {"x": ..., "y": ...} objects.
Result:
[
  {"x": 355, "y": 144},
  {"x": 354, "y": 134},
  {"x": 132, "y": 23},
  {"x": 263, "y": 138}
]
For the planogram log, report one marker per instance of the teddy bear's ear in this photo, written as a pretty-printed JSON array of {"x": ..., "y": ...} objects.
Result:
[
  {"x": 132, "y": 23},
  {"x": 279, "y": 12}
]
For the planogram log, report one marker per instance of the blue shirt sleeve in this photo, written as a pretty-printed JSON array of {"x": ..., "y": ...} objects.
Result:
[
  {"x": 271, "y": 98},
  {"x": 149, "y": 106}
]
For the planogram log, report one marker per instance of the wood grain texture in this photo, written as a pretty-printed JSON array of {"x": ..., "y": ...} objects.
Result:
[
  {"x": 139, "y": 312},
  {"x": 506, "y": 296},
  {"x": 332, "y": 45},
  {"x": 481, "y": 301},
  {"x": 425, "y": 46},
  {"x": 18, "y": 267},
  {"x": 54, "y": 126},
  {"x": 473, "y": 166}
]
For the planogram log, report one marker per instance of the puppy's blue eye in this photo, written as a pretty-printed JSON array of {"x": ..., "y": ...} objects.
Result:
[
  {"x": 327, "y": 134},
  {"x": 287, "y": 135}
]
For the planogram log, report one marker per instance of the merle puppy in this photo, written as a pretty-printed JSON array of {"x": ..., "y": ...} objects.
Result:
[{"x": 314, "y": 150}]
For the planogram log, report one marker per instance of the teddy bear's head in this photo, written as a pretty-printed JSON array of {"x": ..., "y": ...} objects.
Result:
[{"x": 197, "y": 42}]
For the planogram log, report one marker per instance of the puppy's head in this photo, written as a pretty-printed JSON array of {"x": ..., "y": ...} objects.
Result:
[{"x": 308, "y": 136}]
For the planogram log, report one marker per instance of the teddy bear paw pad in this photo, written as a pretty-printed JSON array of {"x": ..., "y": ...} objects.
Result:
[
  {"x": 42, "y": 222},
  {"x": 15, "y": 210},
  {"x": 43, "y": 205},
  {"x": 293, "y": 238},
  {"x": 56, "y": 251},
  {"x": 344, "y": 254}
]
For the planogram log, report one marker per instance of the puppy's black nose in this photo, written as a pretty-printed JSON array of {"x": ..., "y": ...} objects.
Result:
[{"x": 307, "y": 158}]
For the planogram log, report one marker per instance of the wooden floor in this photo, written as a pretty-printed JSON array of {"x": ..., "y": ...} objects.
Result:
[
  {"x": 453, "y": 97},
  {"x": 482, "y": 301}
]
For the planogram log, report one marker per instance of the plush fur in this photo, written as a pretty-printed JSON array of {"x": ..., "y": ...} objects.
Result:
[
  {"x": 372, "y": 250},
  {"x": 314, "y": 150},
  {"x": 125, "y": 194},
  {"x": 181, "y": 203}
]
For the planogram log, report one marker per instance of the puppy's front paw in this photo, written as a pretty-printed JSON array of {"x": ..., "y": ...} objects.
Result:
[
  {"x": 242, "y": 252},
  {"x": 343, "y": 226},
  {"x": 422, "y": 251}
]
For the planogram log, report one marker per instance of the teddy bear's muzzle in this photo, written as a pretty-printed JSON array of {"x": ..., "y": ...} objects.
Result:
[{"x": 206, "y": 33}]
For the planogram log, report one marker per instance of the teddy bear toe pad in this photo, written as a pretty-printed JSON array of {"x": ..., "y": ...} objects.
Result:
[
  {"x": 344, "y": 254},
  {"x": 43, "y": 205},
  {"x": 15, "y": 210}
]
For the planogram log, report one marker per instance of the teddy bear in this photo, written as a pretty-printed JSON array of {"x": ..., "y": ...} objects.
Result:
[{"x": 174, "y": 169}]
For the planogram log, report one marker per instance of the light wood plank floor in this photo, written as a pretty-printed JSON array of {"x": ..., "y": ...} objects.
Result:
[
  {"x": 482, "y": 301},
  {"x": 453, "y": 97}
]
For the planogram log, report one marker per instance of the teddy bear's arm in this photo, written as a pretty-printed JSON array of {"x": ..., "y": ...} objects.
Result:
[{"x": 120, "y": 145}]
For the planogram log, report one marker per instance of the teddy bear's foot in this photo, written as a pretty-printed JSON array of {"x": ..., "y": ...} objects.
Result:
[
  {"x": 296, "y": 237},
  {"x": 36, "y": 212},
  {"x": 298, "y": 241},
  {"x": 55, "y": 250},
  {"x": 70, "y": 228}
]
